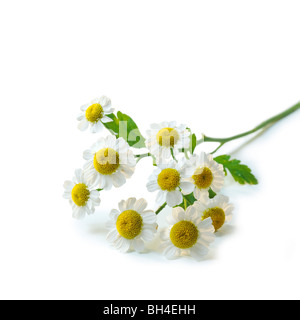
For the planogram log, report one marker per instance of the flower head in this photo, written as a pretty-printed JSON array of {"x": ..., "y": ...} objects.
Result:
[
  {"x": 83, "y": 198},
  {"x": 207, "y": 174},
  {"x": 165, "y": 137},
  {"x": 218, "y": 209},
  {"x": 187, "y": 234},
  {"x": 94, "y": 114},
  {"x": 109, "y": 162},
  {"x": 131, "y": 226},
  {"x": 168, "y": 180}
]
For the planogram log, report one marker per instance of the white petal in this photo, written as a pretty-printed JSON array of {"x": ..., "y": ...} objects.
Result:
[
  {"x": 147, "y": 235},
  {"x": 191, "y": 213},
  {"x": 68, "y": 185},
  {"x": 149, "y": 217},
  {"x": 127, "y": 170},
  {"x": 104, "y": 101},
  {"x": 130, "y": 203},
  {"x": 178, "y": 214},
  {"x": 67, "y": 195},
  {"x": 152, "y": 186},
  {"x": 138, "y": 245},
  {"x": 84, "y": 107},
  {"x": 118, "y": 179},
  {"x": 79, "y": 175},
  {"x": 174, "y": 198},
  {"x": 198, "y": 252},
  {"x": 112, "y": 236},
  {"x": 125, "y": 245},
  {"x": 165, "y": 234},
  {"x": 122, "y": 205},
  {"x": 171, "y": 252},
  {"x": 114, "y": 214},
  {"x": 106, "y": 119},
  {"x": 206, "y": 226},
  {"x": 80, "y": 117},
  {"x": 140, "y": 205},
  {"x": 187, "y": 187},
  {"x": 161, "y": 197},
  {"x": 78, "y": 213},
  {"x": 83, "y": 125}
]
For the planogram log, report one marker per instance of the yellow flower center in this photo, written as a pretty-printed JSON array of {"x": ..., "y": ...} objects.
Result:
[
  {"x": 129, "y": 224},
  {"x": 167, "y": 137},
  {"x": 94, "y": 112},
  {"x": 168, "y": 179},
  {"x": 217, "y": 216},
  {"x": 203, "y": 178},
  {"x": 106, "y": 161},
  {"x": 184, "y": 234},
  {"x": 80, "y": 194}
]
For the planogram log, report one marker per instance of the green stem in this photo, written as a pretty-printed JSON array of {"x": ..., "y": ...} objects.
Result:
[
  {"x": 222, "y": 141},
  {"x": 264, "y": 124},
  {"x": 186, "y": 200},
  {"x": 141, "y": 156},
  {"x": 99, "y": 190},
  {"x": 173, "y": 156},
  {"x": 161, "y": 208}
]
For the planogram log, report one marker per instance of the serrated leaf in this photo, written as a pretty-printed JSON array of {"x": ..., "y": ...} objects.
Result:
[
  {"x": 240, "y": 172},
  {"x": 123, "y": 126}
]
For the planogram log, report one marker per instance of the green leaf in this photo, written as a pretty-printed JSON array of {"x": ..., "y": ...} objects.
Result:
[
  {"x": 190, "y": 199},
  {"x": 240, "y": 172},
  {"x": 123, "y": 126},
  {"x": 113, "y": 126},
  {"x": 212, "y": 194},
  {"x": 193, "y": 143}
]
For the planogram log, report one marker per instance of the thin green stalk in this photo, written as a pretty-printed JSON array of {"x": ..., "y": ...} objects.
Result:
[
  {"x": 222, "y": 141},
  {"x": 264, "y": 124},
  {"x": 186, "y": 200},
  {"x": 173, "y": 156},
  {"x": 185, "y": 204},
  {"x": 161, "y": 208}
]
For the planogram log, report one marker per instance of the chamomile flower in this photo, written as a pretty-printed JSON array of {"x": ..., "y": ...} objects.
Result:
[
  {"x": 83, "y": 198},
  {"x": 165, "y": 137},
  {"x": 168, "y": 180},
  {"x": 131, "y": 226},
  {"x": 109, "y": 162},
  {"x": 207, "y": 174},
  {"x": 218, "y": 209},
  {"x": 95, "y": 114},
  {"x": 187, "y": 235}
]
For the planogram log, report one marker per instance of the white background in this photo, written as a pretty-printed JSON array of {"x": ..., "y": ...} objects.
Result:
[{"x": 221, "y": 67}]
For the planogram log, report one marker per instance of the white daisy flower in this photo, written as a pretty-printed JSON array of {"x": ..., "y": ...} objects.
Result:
[
  {"x": 187, "y": 235},
  {"x": 131, "y": 226},
  {"x": 207, "y": 174},
  {"x": 166, "y": 136},
  {"x": 109, "y": 162},
  {"x": 94, "y": 114},
  {"x": 81, "y": 194},
  {"x": 168, "y": 179},
  {"x": 218, "y": 209}
]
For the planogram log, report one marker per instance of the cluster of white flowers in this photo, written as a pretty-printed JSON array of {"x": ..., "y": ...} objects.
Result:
[{"x": 183, "y": 181}]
